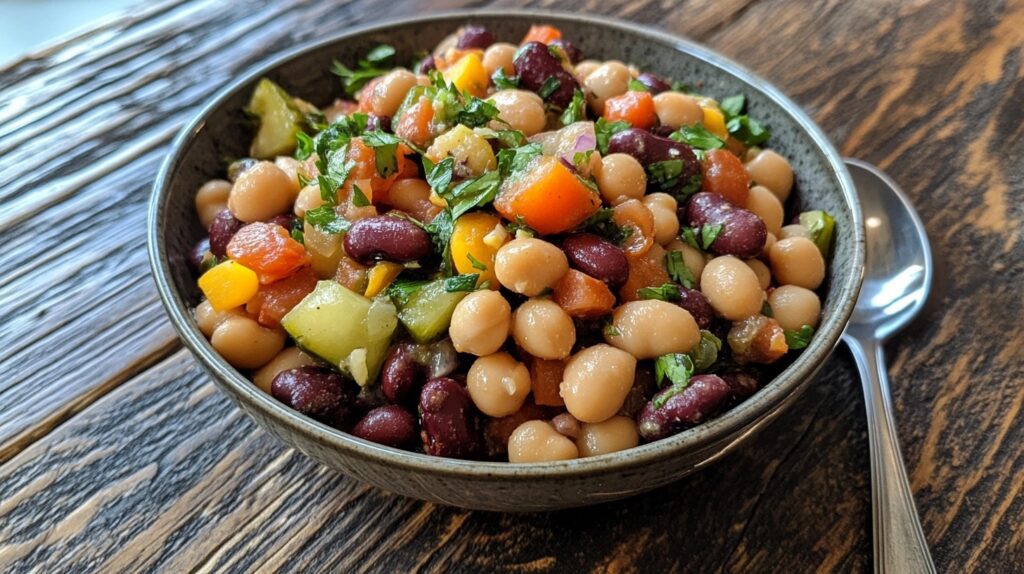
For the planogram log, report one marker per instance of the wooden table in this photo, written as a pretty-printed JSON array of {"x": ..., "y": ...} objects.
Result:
[{"x": 118, "y": 454}]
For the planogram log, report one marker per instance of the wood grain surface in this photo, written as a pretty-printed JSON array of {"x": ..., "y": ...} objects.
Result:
[{"x": 118, "y": 455}]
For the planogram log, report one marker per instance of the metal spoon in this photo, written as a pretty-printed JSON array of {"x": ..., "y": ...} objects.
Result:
[{"x": 897, "y": 279}]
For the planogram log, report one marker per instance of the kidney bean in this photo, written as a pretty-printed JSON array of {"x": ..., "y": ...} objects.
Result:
[
  {"x": 705, "y": 396},
  {"x": 698, "y": 305},
  {"x": 389, "y": 425},
  {"x": 649, "y": 148},
  {"x": 535, "y": 66},
  {"x": 474, "y": 38},
  {"x": 197, "y": 254},
  {"x": 369, "y": 398},
  {"x": 375, "y": 122},
  {"x": 661, "y": 131},
  {"x": 401, "y": 374},
  {"x": 385, "y": 237},
  {"x": 449, "y": 425},
  {"x": 741, "y": 385},
  {"x": 569, "y": 49},
  {"x": 285, "y": 220},
  {"x": 654, "y": 83},
  {"x": 597, "y": 257},
  {"x": 743, "y": 233},
  {"x": 318, "y": 393},
  {"x": 427, "y": 65},
  {"x": 223, "y": 228},
  {"x": 566, "y": 425},
  {"x": 497, "y": 430},
  {"x": 238, "y": 166},
  {"x": 642, "y": 390}
]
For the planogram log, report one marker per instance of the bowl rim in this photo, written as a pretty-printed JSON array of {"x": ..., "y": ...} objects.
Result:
[{"x": 749, "y": 415}]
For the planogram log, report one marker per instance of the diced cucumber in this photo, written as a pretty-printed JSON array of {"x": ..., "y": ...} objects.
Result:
[
  {"x": 279, "y": 118},
  {"x": 344, "y": 328},
  {"x": 821, "y": 225},
  {"x": 428, "y": 311}
]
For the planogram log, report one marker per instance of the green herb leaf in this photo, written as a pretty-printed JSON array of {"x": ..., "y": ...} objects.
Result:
[
  {"x": 472, "y": 193},
  {"x": 439, "y": 175},
  {"x": 304, "y": 148},
  {"x": 380, "y": 54},
  {"x": 209, "y": 262},
  {"x": 766, "y": 310},
  {"x": 677, "y": 368},
  {"x": 475, "y": 262},
  {"x": 664, "y": 175},
  {"x": 667, "y": 292},
  {"x": 601, "y": 223},
  {"x": 677, "y": 269},
  {"x": 476, "y": 113},
  {"x": 691, "y": 187},
  {"x": 514, "y": 160},
  {"x": 576, "y": 111},
  {"x": 604, "y": 130},
  {"x": 326, "y": 219},
  {"x": 708, "y": 234},
  {"x": 733, "y": 105},
  {"x": 681, "y": 87},
  {"x": 748, "y": 130},
  {"x": 821, "y": 226},
  {"x": 373, "y": 65},
  {"x": 688, "y": 235},
  {"x": 296, "y": 230},
  {"x": 705, "y": 353},
  {"x": 800, "y": 338},
  {"x": 611, "y": 331},
  {"x": 549, "y": 87},
  {"x": 440, "y": 230},
  {"x": 358, "y": 197},
  {"x": 401, "y": 290},
  {"x": 636, "y": 85},
  {"x": 503, "y": 82},
  {"x": 385, "y": 149},
  {"x": 519, "y": 225},
  {"x": 698, "y": 137},
  {"x": 461, "y": 283},
  {"x": 581, "y": 159}
]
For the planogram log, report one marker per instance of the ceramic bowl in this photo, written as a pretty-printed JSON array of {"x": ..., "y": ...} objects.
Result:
[{"x": 220, "y": 130}]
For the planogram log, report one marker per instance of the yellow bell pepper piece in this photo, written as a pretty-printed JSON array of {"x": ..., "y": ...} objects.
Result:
[
  {"x": 469, "y": 75},
  {"x": 229, "y": 285},
  {"x": 714, "y": 121},
  {"x": 380, "y": 276},
  {"x": 469, "y": 250}
]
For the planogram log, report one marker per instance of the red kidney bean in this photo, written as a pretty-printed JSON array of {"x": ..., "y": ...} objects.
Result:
[
  {"x": 236, "y": 167},
  {"x": 702, "y": 399},
  {"x": 597, "y": 257},
  {"x": 222, "y": 229},
  {"x": 536, "y": 66},
  {"x": 449, "y": 425},
  {"x": 649, "y": 149},
  {"x": 642, "y": 390},
  {"x": 389, "y": 425},
  {"x": 569, "y": 49},
  {"x": 566, "y": 425},
  {"x": 661, "y": 131},
  {"x": 318, "y": 393},
  {"x": 427, "y": 65},
  {"x": 474, "y": 38},
  {"x": 741, "y": 385},
  {"x": 197, "y": 254},
  {"x": 698, "y": 305},
  {"x": 385, "y": 237},
  {"x": 743, "y": 233},
  {"x": 375, "y": 123},
  {"x": 401, "y": 375},
  {"x": 654, "y": 83},
  {"x": 285, "y": 220}
]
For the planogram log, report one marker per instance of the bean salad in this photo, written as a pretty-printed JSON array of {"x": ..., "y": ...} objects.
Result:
[{"x": 508, "y": 252}]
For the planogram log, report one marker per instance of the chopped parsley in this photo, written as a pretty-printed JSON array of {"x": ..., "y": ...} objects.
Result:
[
  {"x": 664, "y": 175},
  {"x": 358, "y": 197},
  {"x": 576, "y": 110},
  {"x": 304, "y": 148},
  {"x": 503, "y": 82},
  {"x": 677, "y": 269},
  {"x": 401, "y": 290},
  {"x": 636, "y": 85},
  {"x": 601, "y": 223},
  {"x": 461, "y": 283},
  {"x": 385, "y": 150},
  {"x": 327, "y": 220},
  {"x": 476, "y": 263},
  {"x": 705, "y": 353},
  {"x": 799, "y": 338},
  {"x": 701, "y": 237},
  {"x": 698, "y": 137},
  {"x": 604, "y": 130},
  {"x": 549, "y": 87},
  {"x": 677, "y": 368},
  {"x": 741, "y": 126},
  {"x": 667, "y": 292},
  {"x": 375, "y": 64}
]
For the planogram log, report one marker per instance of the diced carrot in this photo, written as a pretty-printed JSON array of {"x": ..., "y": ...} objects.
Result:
[
  {"x": 545, "y": 378},
  {"x": 414, "y": 125},
  {"x": 269, "y": 250},
  {"x": 647, "y": 270},
  {"x": 725, "y": 175},
  {"x": 468, "y": 241},
  {"x": 550, "y": 198},
  {"x": 637, "y": 108},
  {"x": 229, "y": 285},
  {"x": 580, "y": 295},
  {"x": 542, "y": 33},
  {"x": 272, "y": 302}
]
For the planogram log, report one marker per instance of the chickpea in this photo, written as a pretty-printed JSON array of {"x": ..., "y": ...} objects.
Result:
[
  {"x": 731, "y": 287},
  {"x": 769, "y": 240},
  {"x": 387, "y": 94},
  {"x": 666, "y": 222},
  {"x": 794, "y": 230},
  {"x": 498, "y": 384},
  {"x": 764, "y": 275},
  {"x": 676, "y": 110},
  {"x": 797, "y": 261},
  {"x": 207, "y": 318},
  {"x": 260, "y": 192},
  {"x": 615, "y": 434},
  {"x": 693, "y": 258},
  {"x": 543, "y": 329},
  {"x": 529, "y": 266},
  {"x": 621, "y": 177},
  {"x": 772, "y": 171},
  {"x": 480, "y": 323},
  {"x": 793, "y": 307},
  {"x": 649, "y": 329},
  {"x": 585, "y": 68},
  {"x": 245, "y": 344},
  {"x": 413, "y": 196},
  {"x": 608, "y": 80},
  {"x": 309, "y": 198},
  {"x": 289, "y": 358},
  {"x": 211, "y": 199},
  {"x": 537, "y": 441},
  {"x": 596, "y": 382},
  {"x": 291, "y": 167},
  {"x": 523, "y": 110},
  {"x": 500, "y": 55},
  {"x": 763, "y": 203}
]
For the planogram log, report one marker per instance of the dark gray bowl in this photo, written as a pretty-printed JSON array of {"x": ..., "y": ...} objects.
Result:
[{"x": 220, "y": 130}]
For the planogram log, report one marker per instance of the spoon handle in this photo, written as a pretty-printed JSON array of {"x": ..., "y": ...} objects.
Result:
[{"x": 899, "y": 543}]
